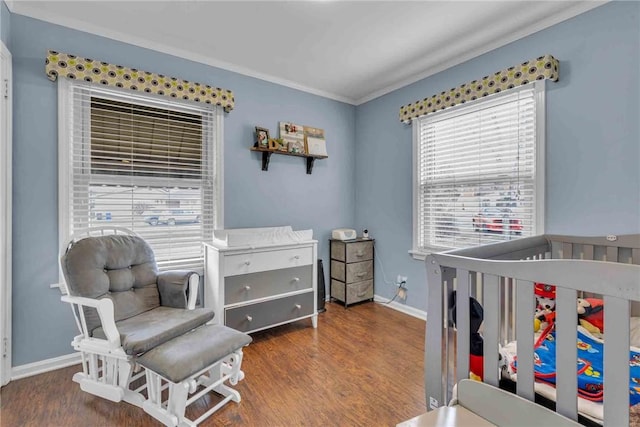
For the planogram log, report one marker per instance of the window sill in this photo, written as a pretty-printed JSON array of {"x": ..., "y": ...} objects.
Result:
[
  {"x": 422, "y": 254},
  {"x": 418, "y": 255}
]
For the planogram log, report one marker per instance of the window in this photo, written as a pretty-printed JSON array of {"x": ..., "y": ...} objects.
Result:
[
  {"x": 144, "y": 162},
  {"x": 479, "y": 171}
]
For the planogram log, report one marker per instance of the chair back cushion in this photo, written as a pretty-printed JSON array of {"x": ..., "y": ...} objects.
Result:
[{"x": 119, "y": 267}]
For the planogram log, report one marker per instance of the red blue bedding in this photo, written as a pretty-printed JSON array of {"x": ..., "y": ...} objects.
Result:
[{"x": 590, "y": 366}]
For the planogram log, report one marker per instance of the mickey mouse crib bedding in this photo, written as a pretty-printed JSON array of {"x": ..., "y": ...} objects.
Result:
[
  {"x": 589, "y": 370},
  {"x": 590, "y": 351},
  {"x": 589, "y": 345},
  {"x": 502, "y": 278}
]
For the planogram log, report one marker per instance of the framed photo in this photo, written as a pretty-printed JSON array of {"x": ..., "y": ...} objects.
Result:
[
  {"x": 292, "y": 133},
  {"x": 296, "y": 147},
  {"x": 262, "y": 137},
  {"x": 313, "y": 132},
  {"x": 316, "y": 146}
]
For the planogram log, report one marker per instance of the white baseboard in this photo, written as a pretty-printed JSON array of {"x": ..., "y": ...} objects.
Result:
[
  {"x": 47, "y": 365},
  {"x": 411, "y": 311},
  {"x": 43, "y": 366}
]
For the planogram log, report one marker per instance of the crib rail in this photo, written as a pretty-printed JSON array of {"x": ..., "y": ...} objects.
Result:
[{"x": 501, "y": 276}]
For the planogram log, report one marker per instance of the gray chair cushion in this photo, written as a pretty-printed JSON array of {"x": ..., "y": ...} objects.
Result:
[
  {"x": 182, "y": 357},
  {"x": 154, "y": 327},
  {"x": 119, "y": 267}
]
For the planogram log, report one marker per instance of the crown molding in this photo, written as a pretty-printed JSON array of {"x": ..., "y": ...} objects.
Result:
[
  {"x": 547, "y": 22},
  {"x": 21, "y": 8}
]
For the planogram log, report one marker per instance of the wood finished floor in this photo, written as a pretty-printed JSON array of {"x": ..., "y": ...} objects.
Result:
[{"x": 362, "y": 367}]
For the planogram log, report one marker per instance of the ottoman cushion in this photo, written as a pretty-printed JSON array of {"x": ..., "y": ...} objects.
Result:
[{"x": 178, "y": 359}]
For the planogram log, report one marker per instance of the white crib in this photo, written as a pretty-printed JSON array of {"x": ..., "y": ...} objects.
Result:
[{"x": 502, "y": 276}]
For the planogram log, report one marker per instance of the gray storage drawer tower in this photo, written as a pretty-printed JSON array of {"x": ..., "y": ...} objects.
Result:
[{"x": 351, "y": 270}]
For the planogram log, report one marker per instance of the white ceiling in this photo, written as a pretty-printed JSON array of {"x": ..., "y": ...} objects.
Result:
[{"x": 352, "y": 51}]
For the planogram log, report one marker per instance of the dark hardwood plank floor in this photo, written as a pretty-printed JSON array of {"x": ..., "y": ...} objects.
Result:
[{"x": 362, "y": 367}]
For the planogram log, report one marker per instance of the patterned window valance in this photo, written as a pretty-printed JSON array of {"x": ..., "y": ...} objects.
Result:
[
  {"x": 75, "y": 67},
  {"x": 544, "y": 67}
]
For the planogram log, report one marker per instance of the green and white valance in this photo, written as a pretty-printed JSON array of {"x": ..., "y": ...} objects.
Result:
[
  {"x": 75, "y": 67},
  {"x": 543, "y": 67}
]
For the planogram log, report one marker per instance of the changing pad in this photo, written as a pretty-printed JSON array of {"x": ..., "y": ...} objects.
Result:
[{"x": 260, "y": 236}]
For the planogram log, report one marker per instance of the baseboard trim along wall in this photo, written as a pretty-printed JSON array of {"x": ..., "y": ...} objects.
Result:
[
  {"x": 30, "y": 369},
  {"x": 43, "y": 366},
  {"x": 401, "y": 307}
]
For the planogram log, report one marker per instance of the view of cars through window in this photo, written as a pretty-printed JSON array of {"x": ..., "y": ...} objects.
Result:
[
  {"x": 151, "y": 206},
  {"x": 173, "y": 217},
  {"x": 498, "y": 220},
  {"x": 471, "y": 215},
  {"x": 170, "y": 218}
]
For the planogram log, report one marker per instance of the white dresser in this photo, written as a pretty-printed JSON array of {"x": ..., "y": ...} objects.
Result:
[{"x": 260, "y": 286}]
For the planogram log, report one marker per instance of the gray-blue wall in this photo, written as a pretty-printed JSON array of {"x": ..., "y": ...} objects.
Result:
[
  {"x": 593, "y": 154},
  {"x": 592, "y": 138},
  {"x": 42, "y": 326}
]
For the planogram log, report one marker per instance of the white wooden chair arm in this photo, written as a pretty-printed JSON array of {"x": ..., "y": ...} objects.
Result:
[
  {"x": 105, "y": 310},
  {"x": 194, "y": 284}
]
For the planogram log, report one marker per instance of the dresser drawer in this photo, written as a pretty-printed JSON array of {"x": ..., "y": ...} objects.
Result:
[
  {"x": 252, "y": 262},
  {"x": 257, "y": 316},
  {"x": 247, "y": 287},
  {"x": 353, "y": 251},
  {"x": 350, "y": 273},
  {"x": 359, "y": 251},
  {"x": 354, "y": 292}
]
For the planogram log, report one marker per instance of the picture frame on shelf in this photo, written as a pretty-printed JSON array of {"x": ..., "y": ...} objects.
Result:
[
  {"x": 316, "y": 146},
  {"x": 262, "y": 137},
  {"x": 296, "y": 147},
  {"x": 310, "y": 131},
  {"x": 292, "y": 133}
]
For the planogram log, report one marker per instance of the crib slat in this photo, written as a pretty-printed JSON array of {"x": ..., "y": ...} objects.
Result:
[
  {"x": 616, "y": 361},
  {"x": 462, "y": 325},
  {"x": 491, "y": 301},
  {"x": 433, "y": 357},
  {"x": 524, "y": 331},
  {"x": 448, "y": 342},
  {"x": 567, "y": 381},
  {"x": 612, "y": 254},
  {"x": 505, "y": 302}
]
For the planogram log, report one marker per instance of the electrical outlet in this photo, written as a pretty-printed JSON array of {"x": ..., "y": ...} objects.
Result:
[
  {"x": 402, "y": 293},
  {"x": 401, "y": 280}
]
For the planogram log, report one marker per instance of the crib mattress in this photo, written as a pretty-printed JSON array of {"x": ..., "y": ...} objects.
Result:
[{"x": 591, "y": 410}]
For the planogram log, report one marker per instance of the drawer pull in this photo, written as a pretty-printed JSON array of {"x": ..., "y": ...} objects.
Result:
[
  {"x": 247, "y": 262},
  {"x": 296, "y": 257},
  {"x": 361, "y": 274},
  {"x": 298, "y": 306},
  {"x": 296, "y": 279},
  {"x": 359, "y": 253},
  {"x": 247, "y": 288},
  {"x": 249, "y": 318},
  {"x": 361, "y": 294}
]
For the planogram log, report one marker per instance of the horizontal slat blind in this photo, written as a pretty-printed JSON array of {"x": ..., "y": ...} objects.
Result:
[
  {"x": 146, "y": 164},
  {"x": 476, "y": 171}
]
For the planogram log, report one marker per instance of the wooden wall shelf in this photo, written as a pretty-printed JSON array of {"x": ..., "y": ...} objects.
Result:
[{"x": 266, "y": 156}]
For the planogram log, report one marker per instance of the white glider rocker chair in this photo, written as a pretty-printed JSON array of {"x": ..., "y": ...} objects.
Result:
[{"x": 140, "y": 324}]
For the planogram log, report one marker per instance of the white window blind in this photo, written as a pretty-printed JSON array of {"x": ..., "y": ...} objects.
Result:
[
  {"x": 141, "y": 162},
  {"x": 476, "y": 171}
]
